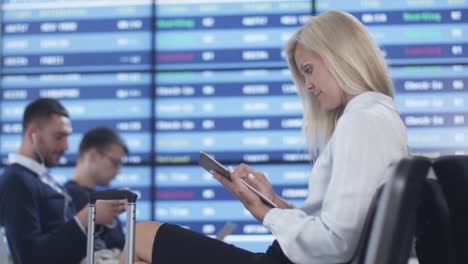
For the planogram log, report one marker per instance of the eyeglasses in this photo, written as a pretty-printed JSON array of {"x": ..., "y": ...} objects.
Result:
[{"x": 116, "y": 162}]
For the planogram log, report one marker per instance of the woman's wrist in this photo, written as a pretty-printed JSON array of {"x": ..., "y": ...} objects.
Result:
[
  {"x": 281, "y": 202},
  {"x": 260, "y": 212}
]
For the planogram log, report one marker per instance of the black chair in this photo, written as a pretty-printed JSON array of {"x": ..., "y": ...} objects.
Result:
[
  {"x": 5, "y": 257},
  {"x": 452, "y": 175},
  {"x": 360, "y": 253},
  {"x": 393, "y": 228},
  {"x": 433, "y": 234}
]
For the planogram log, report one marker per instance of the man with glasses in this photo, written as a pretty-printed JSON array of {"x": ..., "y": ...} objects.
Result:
[{"x": 100, "y": 155}]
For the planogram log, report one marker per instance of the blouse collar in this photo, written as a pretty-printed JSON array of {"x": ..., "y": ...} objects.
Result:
[{"x": 368, "y": 99}]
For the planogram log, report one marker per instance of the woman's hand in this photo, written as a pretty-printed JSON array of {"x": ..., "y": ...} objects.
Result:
[{"x": 250, "y": 200}]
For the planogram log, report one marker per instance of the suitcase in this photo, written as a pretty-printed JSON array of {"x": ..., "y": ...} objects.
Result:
[{"x": 131, "y": 198}]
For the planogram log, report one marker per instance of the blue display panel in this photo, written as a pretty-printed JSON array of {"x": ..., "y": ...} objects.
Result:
[
  {"x": 191, "y": 197},
  {"x": 433, "y": 104},
  {"x": 117, "y": 100},
  {"x": 209, "y": 34},
  {"x": 85, "y": 35},
  {"x": 248, "y": 115},
  {"x": 412, "y": 32}
]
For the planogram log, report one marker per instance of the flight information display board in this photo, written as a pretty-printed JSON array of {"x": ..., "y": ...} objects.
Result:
[
  {"x": 248, "y": 115},
  {"x": 117, "y": 100},
  {"x": 410, "y": 31},
  {"x": 433, "y": 102},
  {"x": 85, "y": 35},
  {"x": 177, "y": 77},
  {"x": 191, "y": 197},
  {"x": 209, "y": 34}
]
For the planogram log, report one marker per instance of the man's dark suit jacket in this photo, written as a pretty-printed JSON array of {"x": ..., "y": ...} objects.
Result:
[{"x": 33, "y": 216}]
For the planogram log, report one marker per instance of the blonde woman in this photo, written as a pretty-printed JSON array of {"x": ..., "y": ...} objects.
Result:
[{"x": 354, "y": 132}]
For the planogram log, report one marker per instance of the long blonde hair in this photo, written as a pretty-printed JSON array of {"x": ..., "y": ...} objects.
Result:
[{"x": 352, "y": 57}]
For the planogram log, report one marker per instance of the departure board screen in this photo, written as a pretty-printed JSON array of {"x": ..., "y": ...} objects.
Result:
[
  {"x": 225, "y": 34},
  {"x": 84, "y": 35},
  {"x": 175, "y": 77},
  {"x": 117, "y": 100},
  {"x": 248, "y": 115},
  {"x": 410, "y": 31},
  {"x": 191, "y": 197},
  {"x": 431, "y": 100}
]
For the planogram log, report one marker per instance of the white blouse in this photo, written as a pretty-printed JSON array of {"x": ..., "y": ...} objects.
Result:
[{"x": 368, "y": 137}]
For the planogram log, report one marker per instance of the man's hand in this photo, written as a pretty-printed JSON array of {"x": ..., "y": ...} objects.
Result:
[{"x": 106, "y": 212}]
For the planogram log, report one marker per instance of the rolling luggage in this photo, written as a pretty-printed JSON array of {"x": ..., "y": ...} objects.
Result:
[{"x": 130, "y": 228}]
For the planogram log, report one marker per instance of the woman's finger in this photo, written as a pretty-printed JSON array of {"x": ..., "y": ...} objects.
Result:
[{"x": 219, "y": 177}]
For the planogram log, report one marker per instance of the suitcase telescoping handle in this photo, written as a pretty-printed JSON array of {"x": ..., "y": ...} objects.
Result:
[{"x": 131, "y": 198}]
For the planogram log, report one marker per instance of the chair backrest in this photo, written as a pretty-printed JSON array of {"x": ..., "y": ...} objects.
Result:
[
  {"x": 452, "y": 174},
  {"x": 366, "y": 230},
  {"x": 391, "y": 238},
  {"x": 433, "y": 235},
  {"x": 4, "y": 250}
]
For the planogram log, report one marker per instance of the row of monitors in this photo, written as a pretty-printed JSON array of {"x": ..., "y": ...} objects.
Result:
[
  {"x": 141, "y": 35},
  {"x": 243, "y": 115}
]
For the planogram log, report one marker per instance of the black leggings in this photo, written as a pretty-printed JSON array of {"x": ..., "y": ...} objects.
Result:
[{"x": 177, "y": 245}]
